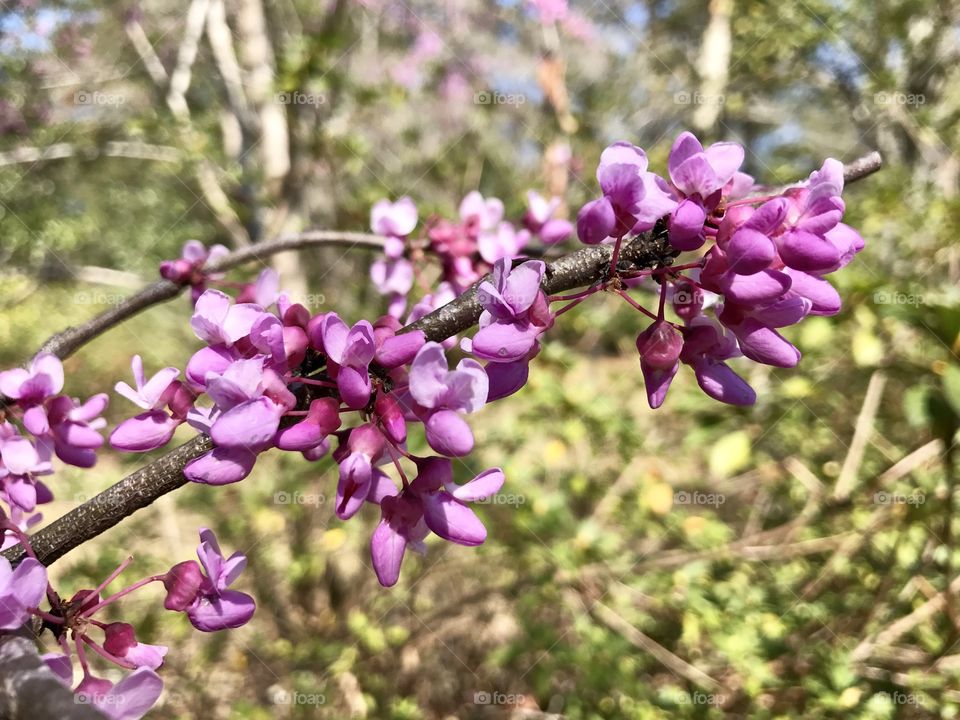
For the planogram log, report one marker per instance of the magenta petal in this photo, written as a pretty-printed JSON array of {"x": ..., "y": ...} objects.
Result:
[
  {"x": 657, "y": 382},
  {"x": 825, "y": 299},
  {"x": 386, "y": 551},
  {"x": 250, "y": 424},
  {"x": 782, "y": 313},
  {"x": 725, "y": 158},
  {"x": 399, "y": 349},
  {"x": 694, "y": 176},
  {"x": 132, "y": 697},
  {"x": 686, "y": 225},
  {"x": 230, "y": 609},
  {"x": 752, "y": 289},
  {"x": 808, "y": 252},
  {"x": 452, "y": 520},
  {"x": 685, "y": 146},
  {"x": 221, "y": 466},
  {"x": 506, "y": 378},
  {"x": 36, "y": 421},
  {"x": 483, "y": 486},
  {"x": 29, "y": 583},
  {"x": 22, "y": 493},
  {"x": 427, "y": 375},
  {"x": 505, "y": 342},
  {"x": 449, "y": 434},
  {"x": 765, "y": 345},
  {"x": 749, "y": 251},
  {"x": 146, "y": 431},
  {"x": 354, "y": 386},
  {"x": 207, "y": 360},
  {"x": 721, "y": 383},
  {"x": 356, "y": 475},
  {"x": 596, "y": 221},
  {"x": 556, "y": 231},
  {"x": 19, "y": 455}
]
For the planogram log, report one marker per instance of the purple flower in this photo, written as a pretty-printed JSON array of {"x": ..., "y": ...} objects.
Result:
[
  {"x": 20, "y": 591},
  {"x": 698, "y": 177},
  {"x": 121, "y": 642},
  {"x": 188, "y": 268},
  {"x": 432, "y": 502},
  {"x": 250, "y": 412},
  {"x": 351, "y": 349},
  {"x": 42, "y": 380},
  {"x": 216, "y": 607},
  {"x": 217, "y": 321},
  {"x": 504, "y": 241},
  {"x": 362, "y": 450},
  {"x": 441, "y": 394},
  {"x": 395, "y": 220},
  {"x": 515, "y": 313},
  {"x": 705, "y": 347},
  {"x": 129, "y": 699},
  {"x": 155, "y": 427},
  {"x": 659, "y": 347},
  {"x": 633, "y": 199},
  {"x": 481, "y": 213}
]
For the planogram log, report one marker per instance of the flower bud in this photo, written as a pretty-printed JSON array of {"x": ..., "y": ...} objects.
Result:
[
  {"x": 183, "y": 585},
  {"x": 660, "y": 345},
  {"x": 118, "y": 638}
]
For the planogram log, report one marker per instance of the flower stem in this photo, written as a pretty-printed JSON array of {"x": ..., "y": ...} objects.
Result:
[{"x": 119, "y": 594}]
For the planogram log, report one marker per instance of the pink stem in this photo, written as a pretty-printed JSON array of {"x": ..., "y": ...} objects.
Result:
[
  {"x": 575, "y": 296},
  {"x": 569, "y": 306},
  {"x": 104, "y": 654},
  {"x": 318, "y": 383},
  {"x": 126, "y": 591},
  {"x": 47, "y": 616},
  {"x": 112, "y": 576},
  {"x": 636, "y": 305}
]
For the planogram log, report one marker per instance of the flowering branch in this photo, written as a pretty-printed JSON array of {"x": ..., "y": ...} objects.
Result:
[
  {"x": 587, "y": 267},
  {"x": 68, "y": 341}
]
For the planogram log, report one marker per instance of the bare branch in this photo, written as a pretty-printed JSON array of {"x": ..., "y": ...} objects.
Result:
[{"x": 68, "y": 341}]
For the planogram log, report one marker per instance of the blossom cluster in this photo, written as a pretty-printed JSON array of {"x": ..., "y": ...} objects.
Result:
[
  {"x": 271, "y": 375},
  {"x": 466, "y": 249},
  {"x": 199, "y": 590},
  {"x": 763, "y": 269},
  {"x": 38, "y": 422}
]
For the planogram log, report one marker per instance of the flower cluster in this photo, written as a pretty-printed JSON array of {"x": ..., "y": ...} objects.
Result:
[
  {"x": 37, "y": 422},
  {"x": 466, "y": 249},
  {"x": 188, "y": 268},
  {"x": 763, "y": 270},
  {"x": 201, "y": 593},
  {"x": 276, "y": 377}
]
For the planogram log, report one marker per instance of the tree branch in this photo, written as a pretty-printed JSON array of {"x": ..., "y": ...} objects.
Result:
[
  {"x": 578, "y": 269},
  {"x": 68, "y": 341}
]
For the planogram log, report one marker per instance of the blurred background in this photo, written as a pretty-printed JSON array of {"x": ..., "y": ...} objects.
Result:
[{"x": 693, "y": 562}]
